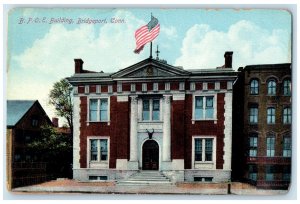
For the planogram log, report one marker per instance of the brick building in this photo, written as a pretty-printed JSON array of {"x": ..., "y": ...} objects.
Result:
[
  {"x": 153, "y": 116},
  {"x": 262, "y": 125},
  {"x": 24, "y": 119}
]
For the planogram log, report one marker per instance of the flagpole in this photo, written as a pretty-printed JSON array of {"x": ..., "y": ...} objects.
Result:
[{"x": 151, "y": 50}]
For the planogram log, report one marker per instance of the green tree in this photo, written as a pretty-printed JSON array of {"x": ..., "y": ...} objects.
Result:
[
  {"x": 55, "y": 149},
  {"x": 61, "y": 98}
]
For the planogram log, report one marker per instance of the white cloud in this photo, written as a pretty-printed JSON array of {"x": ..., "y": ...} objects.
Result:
[
  {"x": 204, "y": 47},
  {"x": 170, "y": 32},
  {"x": 52, "y": 57},
  {"x": 54, "y": 53}
]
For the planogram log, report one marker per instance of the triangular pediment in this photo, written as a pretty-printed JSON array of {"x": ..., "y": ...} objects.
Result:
[{"x": 150, "y": 68}]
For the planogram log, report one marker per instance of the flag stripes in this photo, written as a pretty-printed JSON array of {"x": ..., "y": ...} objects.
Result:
[{"x": 143, "y": 36}]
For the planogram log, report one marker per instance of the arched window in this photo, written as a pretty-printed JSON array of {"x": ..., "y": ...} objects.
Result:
[
  {"x": 287, "y": 87},
  {"x": 254, "y": 87},
  {"x": 272, "y": 87}
]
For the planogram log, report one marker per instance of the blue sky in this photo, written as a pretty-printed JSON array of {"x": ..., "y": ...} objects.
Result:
[{"x": 40, "y": 54}]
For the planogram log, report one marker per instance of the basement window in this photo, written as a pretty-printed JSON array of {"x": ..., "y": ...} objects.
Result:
[
  {"x": 203, "y": 179},
  {"x": 98, "y": 178}
]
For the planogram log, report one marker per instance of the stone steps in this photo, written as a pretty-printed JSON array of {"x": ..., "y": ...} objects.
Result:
[{"x": 146, "y": 178}]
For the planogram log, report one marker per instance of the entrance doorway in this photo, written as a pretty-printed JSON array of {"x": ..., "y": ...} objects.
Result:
[{"x": 150, "y": 155}]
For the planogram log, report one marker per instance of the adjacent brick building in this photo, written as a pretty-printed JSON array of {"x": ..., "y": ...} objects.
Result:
[
  {"x": 153, "y": 116},
  {"x": 24, "y": 119},
  {"x": 262, "y": 125}
]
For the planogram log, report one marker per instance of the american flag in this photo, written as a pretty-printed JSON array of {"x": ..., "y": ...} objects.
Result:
[{"x": 146, "y": 34}]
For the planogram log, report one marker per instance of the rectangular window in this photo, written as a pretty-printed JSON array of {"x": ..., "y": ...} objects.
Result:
[
  {"x": 270, "y": 173},
  {"x": 204, "y": 107},
  {"x": 146, "y": 110},
  {"x": 287, "y": 150},
  {"x": 271, "y": 115},
  {"x": 203, "y": 179},
  {"x": 208, "y": 149},
  {"x": 203, "y": 149},
  {"x": 103, "y": 110},
  {"x": 98, "y": 150},
  {"x": 151, "y": 110},
  {"x": 252, "y": 172},
  {"x": 97, "y": 178},
  {"x": 93, "y": 109},
  {"x": 287, "y": 87},
  {"x": 287, "y": 115},
  {"x": 270, "y": 146},
  {"x": 94, "y": 150},
  {"x": 253, "y": 145},
  {"x": 98, "y": 110},
  {"x": 155, "y": 110},
  {"x": 198, "y": 149},
  {"x": 253, "y": 115}
]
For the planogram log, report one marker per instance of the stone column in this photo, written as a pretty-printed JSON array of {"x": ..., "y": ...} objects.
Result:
[
  {"x": 166, "y": 150},
  {"x": 133, "y": 128}
]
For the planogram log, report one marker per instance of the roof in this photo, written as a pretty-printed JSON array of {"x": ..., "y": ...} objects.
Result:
[
  {"x": 16, "y": 109},
  {"x": 268, "y": 66},
  {"x": 151, "y": 69}
]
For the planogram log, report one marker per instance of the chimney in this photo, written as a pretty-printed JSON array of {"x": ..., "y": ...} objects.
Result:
[
  {"x": 55, "y": 122},
  {"x": 78, "y": 65},
  {"x": 228, "y": 59}
]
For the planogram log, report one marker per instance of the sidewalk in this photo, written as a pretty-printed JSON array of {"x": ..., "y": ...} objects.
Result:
[{"x": 72, "y": 186}]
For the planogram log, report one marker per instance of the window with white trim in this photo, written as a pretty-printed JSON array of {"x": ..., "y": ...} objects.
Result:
[
  {"x": 151, "y": 110},
  {"x": 287, "y": 115},
  {"x": 98, "y": 110},
  {"x": 287, "y": 150},
  {"x": 203, "y": 149},
  {"x": 98, "y": 150},
  {"x": 204, "y": 107}
]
